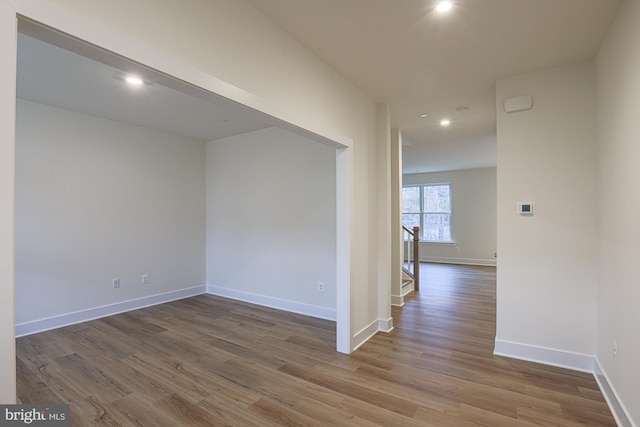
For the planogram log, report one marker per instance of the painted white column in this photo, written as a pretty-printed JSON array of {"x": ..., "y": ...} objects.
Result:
[
  {"x": 383, "y": 135},
  {"x": 396, "y": 217},
  {"x": 344, "y": 183}
]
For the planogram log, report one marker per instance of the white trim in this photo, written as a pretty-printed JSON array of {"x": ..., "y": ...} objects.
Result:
[
  {"x": 365, "y": 334},
  {"x": 460, "y": 261},
  {"x": 385, "y": 325},
  {"x": 272, "y": 302},
  {"x": 546, "y": 356},
  {"x": 406, "y": 290},
  {"x": 619, "y": 411},
  {"x": 397, "y": 300},
  {"x": 41, "y": 325}
]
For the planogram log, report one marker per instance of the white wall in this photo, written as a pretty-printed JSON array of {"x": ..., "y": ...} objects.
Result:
[
  {"x": 271, "y": 223},
  {"x": 97, "y": 200},
  {"x": 8, "y": 49},
  {"x": 546, "y": 281},
  {"x": 473, "y": 216},
  {"x": 618, "y": 130}
]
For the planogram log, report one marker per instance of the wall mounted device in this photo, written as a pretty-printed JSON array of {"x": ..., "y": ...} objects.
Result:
[
  {"x": 519, "y": 103},
  {"x": 526, "y": 208}
]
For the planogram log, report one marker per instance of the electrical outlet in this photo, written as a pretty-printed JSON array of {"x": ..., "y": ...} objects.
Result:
[
  {"x": 116, "y": 283},
  {"x": 614, "y": 350},
  {"x": 320, "y": 286},
  {"x": 144, "y": 279}
]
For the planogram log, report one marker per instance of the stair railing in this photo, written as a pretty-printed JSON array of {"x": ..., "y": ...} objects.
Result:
[{"x": 411, "y": 249}]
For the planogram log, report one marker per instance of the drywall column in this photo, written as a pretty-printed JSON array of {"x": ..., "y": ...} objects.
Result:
[
  {"x": 384, "y": 217},
  {"x": 396, "y": 218},
  {"x": 546, "y": 280},
  {"x": 8, "y": 44},
  {"x": 344, "y": 218}
]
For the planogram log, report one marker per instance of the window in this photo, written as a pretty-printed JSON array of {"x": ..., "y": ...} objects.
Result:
[{"x": 428, "y": 207}]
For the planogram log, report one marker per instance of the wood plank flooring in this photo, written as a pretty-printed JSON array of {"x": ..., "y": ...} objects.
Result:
[{"x": 209, "y": 361}]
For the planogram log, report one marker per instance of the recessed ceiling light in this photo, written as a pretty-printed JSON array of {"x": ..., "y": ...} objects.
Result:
[
  {"x": 444, "y": 6},
  {"x": 134, "y": 80},
  {"x": 423, "y": 115},
  {"x": 445, "y": 122}
]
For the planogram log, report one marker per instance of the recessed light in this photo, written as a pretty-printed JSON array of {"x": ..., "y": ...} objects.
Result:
[
  {"x": 134, "y": 80},
  {"x": 445, "y": 122},
  {"x": 444, "y": 6},
  {"x": 423, "y": 115}
]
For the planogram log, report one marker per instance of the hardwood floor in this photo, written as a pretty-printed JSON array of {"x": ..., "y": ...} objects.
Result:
[{"x": 209, "y": 361}]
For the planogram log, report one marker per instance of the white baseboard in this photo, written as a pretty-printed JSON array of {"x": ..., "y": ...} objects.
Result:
[
  {"x": 461, "y": 261},
  {"x": 41, "y": 325},
  {"x": 280, "y": 304},
  {"x": 619, "y": 411},
  {"x": 569, "y": 360},
  {"x": 385, "y": 325},
  {"x": 397, "y": 300},
  {"x": 365, "y": 334},
  {"x": 406, "y": 290},
  {"x": 546, "y": 356}
]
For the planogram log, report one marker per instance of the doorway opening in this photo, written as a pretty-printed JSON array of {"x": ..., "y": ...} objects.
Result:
[{"x": 255, "y": 118}]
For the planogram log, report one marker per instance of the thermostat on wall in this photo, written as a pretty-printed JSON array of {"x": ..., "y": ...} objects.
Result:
[{"x": 525, "y": 208}]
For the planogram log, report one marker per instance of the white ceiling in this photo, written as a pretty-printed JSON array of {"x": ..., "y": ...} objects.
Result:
[
  {"x": 419, "y": 61},
  {"x": 397, "y": 51},
  {"x": 54, "y": 76}
]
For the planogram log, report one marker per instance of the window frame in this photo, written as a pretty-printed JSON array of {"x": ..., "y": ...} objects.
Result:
[{"x": 423, "y": 213}]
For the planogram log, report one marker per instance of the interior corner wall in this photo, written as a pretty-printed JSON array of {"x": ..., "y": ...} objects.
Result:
[
  {"x": 618, "y": 130},
  {"x": 546, "y": 277},
  {"x": 271, "y": 221},
  {"x": 98, "y": 200},
  {"x": 473, "y": 216}
]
